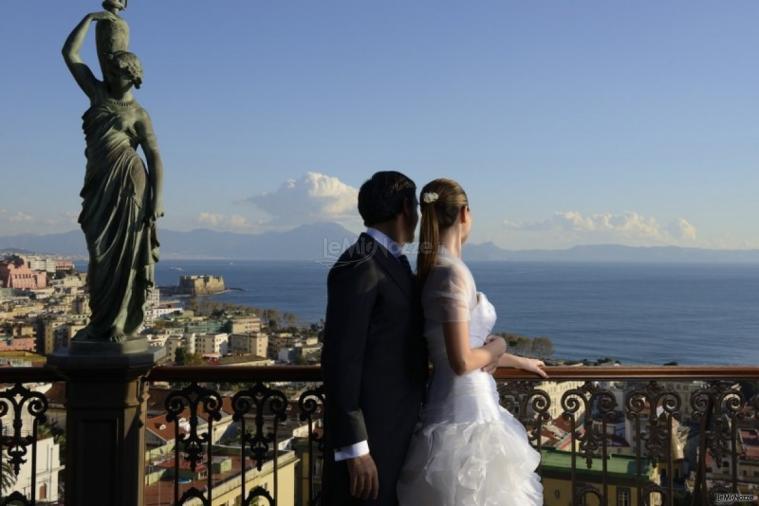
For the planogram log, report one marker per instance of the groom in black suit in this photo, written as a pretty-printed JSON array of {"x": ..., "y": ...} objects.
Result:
[{"x": 374, "y": 359}]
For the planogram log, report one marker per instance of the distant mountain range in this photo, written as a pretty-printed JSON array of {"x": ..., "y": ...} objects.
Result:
[
  {"x": 306, "y": 242},
  {"x": 612, "y": 253},
  {"x": 325, "y": 242}
]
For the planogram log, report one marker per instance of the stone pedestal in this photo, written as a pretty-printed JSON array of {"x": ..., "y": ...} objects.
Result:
[{"x": 105, "y": 419}]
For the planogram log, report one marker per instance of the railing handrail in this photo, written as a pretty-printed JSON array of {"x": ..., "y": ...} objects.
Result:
[
  {"x": 236, "y": 373},
  {"x": 637, "y": 372},
  {"x": 29, "y": 375},
  {"x": 313, "y": 373}
]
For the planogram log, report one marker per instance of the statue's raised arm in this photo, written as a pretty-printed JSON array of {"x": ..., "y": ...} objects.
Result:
[{"x": 73, "y": 45}]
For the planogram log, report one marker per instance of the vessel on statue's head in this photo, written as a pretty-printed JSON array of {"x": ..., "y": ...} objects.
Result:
[
  {"x": 111, "y": 35},
  {"x": 115, "y": 6}
]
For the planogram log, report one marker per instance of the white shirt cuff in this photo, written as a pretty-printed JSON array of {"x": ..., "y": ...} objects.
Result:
[{"x": 351, "y": 452}]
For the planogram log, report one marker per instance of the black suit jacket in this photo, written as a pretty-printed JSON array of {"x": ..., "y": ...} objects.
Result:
[{"x": 374, "y": 359}]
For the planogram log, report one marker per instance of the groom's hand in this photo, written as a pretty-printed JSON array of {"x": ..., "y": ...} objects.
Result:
[
  {"x": 364, "y": 481},
  {"x": 491, "y": 367}
]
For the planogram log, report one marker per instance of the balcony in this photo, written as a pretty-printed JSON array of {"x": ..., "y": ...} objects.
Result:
[{"x": 253, "y": 435}]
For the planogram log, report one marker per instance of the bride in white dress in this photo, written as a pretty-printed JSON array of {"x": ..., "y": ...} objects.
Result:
[{"x": 467, "y": 450}]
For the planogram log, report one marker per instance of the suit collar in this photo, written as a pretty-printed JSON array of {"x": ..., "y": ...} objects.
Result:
[
  {"x": 385, "y": 240},
  {"x": 387, "y": 262}
]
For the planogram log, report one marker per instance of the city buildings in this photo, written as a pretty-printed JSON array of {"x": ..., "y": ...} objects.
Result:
[
  {"x": 622, "y": 482},
  {"x": 256, "y": 343},
  {"x": 16, "y": 273}
]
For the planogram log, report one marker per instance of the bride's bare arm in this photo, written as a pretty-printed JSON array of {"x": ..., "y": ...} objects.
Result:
[
  {"x": 527, "y": 364},
  {"x": 464, "y": 359}
]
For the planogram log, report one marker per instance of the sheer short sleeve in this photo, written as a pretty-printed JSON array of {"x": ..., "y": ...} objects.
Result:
[{"x": 448, "y": 294}]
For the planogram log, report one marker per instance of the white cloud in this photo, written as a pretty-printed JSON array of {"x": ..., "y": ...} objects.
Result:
[
  {"x": 21, "y": 222},
  {"x": 18, "y": 217},
  {"x": 66, "y": 218},
  {"x": 683, "y": 230},
  {"x": 212, "y": 219},
  {"x": 238, "y": 221},
  {"x": 221, "y": 221},
  {"x": 314, "y": 197},
  {"x": 630, "y": 227}
]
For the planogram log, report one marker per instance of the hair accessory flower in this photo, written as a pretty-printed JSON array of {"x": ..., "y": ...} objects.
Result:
[{"x": 430, "y": 197}]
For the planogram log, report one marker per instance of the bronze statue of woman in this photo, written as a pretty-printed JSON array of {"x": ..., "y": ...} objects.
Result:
[{"x": 121, "y": 196}]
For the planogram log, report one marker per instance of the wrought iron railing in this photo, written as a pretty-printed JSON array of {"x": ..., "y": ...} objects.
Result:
[{"x": 654, "y": 404}]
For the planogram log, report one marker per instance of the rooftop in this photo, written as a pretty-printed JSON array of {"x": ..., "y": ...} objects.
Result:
[{"x": 619, "y": 466}]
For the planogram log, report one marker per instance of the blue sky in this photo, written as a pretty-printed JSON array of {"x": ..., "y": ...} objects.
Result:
[{"x": 567, "y": 122}]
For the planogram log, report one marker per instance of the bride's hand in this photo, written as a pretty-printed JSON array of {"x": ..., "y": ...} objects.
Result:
[
  {"x": 491, "y": 367},
  {"x": 533, "y": 365}
]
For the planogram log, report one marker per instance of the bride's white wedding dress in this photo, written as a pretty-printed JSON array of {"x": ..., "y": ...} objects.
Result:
[{"x": 467, "y": 450}]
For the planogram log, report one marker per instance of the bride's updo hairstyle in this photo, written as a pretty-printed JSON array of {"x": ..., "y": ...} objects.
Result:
[{"x": 441, "y": 201}]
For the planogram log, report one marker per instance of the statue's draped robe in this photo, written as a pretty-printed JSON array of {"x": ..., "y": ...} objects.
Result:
[{"x": 122, "y": 244}]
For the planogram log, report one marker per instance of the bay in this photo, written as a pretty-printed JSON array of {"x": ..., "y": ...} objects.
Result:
[{"x": 636, "y": 313}]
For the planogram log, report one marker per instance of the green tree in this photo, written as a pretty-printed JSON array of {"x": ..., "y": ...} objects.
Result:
[
  {"x": 519, "y": 345},
  {"x": 183, "y": 357},
  {"x": 290, "y": 319},
  {"x": 542, "y": 347},
  {"x": 8, "y": 476},
  {"x": 272, "y": 317},
  {"x": 180, "y": 355},
  {"x": 194, "y": 359}
]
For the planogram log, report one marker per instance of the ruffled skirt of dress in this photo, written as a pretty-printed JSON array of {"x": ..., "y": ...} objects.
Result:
[{"x": 478, "y": 463}]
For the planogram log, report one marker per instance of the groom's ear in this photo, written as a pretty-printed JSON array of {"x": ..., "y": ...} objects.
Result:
[
  {"x": 410, "y": 209},
  {"x": 407, "y": 206}
]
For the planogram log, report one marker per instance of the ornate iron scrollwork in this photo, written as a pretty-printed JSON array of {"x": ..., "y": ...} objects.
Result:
[
  {"x": 257, "y": 493},
  {"x": 719, "y": 408},
  {"x": 654, "y": 397},
  {"x": 191, "y": 397},
  {"x": 590, "y": 397},
  {"x": 15, "y": 399},
  {"x": 529, "y": 404},
  {"x": 193, "y": 493},
  {"x": 308, "y": 406},
  {"x": 309, "y": 403},
  {"x": 725, "y": 399},
  {"x": 263, "y": 399},
  {"x": 653, "y": 488},
  {"x": 583, "y": 492},
  {"x": 16, "y": 499}
]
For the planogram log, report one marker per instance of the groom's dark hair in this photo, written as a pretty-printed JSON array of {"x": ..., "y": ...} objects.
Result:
[{"x": 382, "y": 197}]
